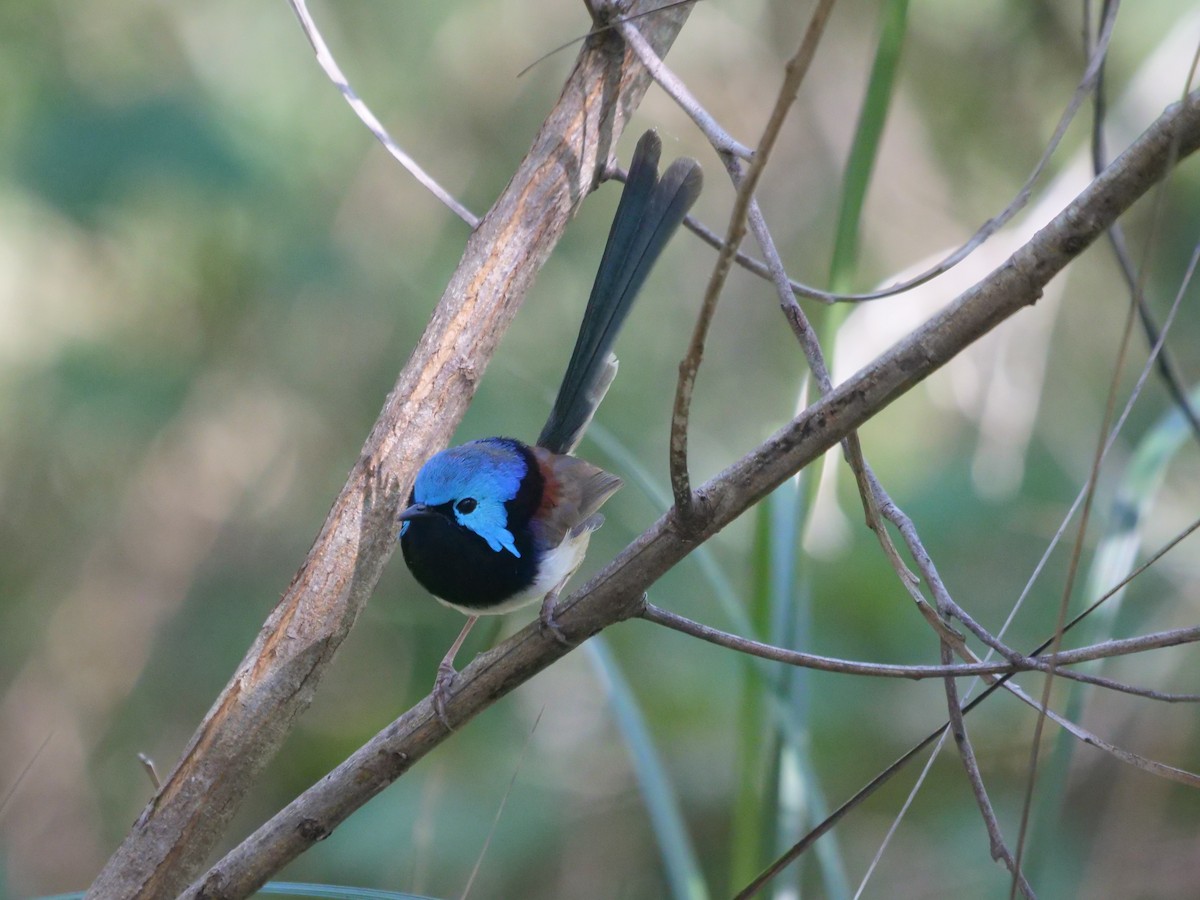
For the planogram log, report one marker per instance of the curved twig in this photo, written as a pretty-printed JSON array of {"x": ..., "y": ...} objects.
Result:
[{"x": 326, "y": 61}]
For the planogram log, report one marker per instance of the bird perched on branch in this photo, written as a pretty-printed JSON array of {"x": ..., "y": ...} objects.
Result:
[{"x": 496, "y": 524}]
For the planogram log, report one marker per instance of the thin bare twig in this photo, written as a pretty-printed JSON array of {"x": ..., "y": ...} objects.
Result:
[
  {"x": 1110, "y": 649},
  {"x": 487, "y": 842},
  {"x": 744, "y": 203},
  {"x": 329, "y": 65},
  {"x": 599, "y": 10},
  {"x": 958, "y": 728},
  {"x": 895, "y": 823},
  {"x": 1153, "y": 767},
  {"x": 750, "y": 647},
  {"x": 684, "y": 625},
  {"x": 722, "y": 141},
  {"x": 29, "y": 764},
  {"x": 966, "y": 753},
  {"x": 151, "y": 770}
]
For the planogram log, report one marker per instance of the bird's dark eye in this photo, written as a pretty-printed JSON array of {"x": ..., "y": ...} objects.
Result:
[{"x": 466, "y": 505}]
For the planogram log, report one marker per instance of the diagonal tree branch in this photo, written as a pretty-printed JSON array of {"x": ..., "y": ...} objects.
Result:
[
  {"x": 616, "y": 593},
  {"x": 170, "y": 841}
]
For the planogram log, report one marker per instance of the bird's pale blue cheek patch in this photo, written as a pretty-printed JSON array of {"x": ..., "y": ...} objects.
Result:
[
  {"x": 403, "y": 528},
  {"x": 488, "y": 520}
]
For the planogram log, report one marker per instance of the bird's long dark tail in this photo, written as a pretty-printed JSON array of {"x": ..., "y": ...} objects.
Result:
[{"x": 648, "y": 214}]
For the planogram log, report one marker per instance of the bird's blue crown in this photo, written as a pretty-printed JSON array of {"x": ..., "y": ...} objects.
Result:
[{"x": 488, "y": 472}]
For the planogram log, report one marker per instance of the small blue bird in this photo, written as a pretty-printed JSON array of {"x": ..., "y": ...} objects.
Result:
[{"x": 496, "y": 524}]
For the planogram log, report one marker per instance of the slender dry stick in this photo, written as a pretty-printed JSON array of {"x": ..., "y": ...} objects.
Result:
[
  {"x": 150, "y": 769},
  {"x": 958, "y": 726},
  {"x": 794, "y": 74},
  {"x": 172, "y": 838},
  {"x": 799, "y": 658},
  {"x": 25, "y": 769},
  {"x": 889, "y": 510},
  {"x": 615, "y": 593},
  {"x": 966, "y": 753},
  {"x": 1150, "y": 766},
  {"x": 721, "y": 140},
  {"x": 1155, "y": 640},
  {"x": 329, "y": 65},
  {"x": 896, "y": 819},
  {"x": 605, "y": 16}
]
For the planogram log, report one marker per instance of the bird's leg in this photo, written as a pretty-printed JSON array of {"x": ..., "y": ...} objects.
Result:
[
  {"x": 546, "y": 616},
  {"x": 446, "y": 673}
]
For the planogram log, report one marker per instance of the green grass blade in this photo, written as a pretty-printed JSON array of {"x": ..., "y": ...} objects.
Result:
[
  {"x": 865, "y": 149},
  {"x": 764, "y": 680},
  {"x": 684, "y": 877},
  {"x": 754, "y": 805},
  {"x": 800, "y": 801}
]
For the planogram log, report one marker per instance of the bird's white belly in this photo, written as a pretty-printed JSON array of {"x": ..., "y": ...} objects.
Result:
[{"x": 555, "y": 568}]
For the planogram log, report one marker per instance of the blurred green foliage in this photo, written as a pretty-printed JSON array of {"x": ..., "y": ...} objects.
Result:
[{"x": 210, "y": 275}]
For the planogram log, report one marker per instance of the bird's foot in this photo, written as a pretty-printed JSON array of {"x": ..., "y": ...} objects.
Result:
[
  {"x": 446, "y": 673},
  {"x": 547, "y": 620},
  {"x": 441, "y": 691}
]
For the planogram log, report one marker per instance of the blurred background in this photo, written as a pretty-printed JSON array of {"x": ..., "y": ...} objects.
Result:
[{"x": 210, "y": 275}]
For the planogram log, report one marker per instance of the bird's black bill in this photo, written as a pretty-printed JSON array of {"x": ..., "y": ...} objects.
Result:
[
  {"x": 416, "y": 511},
  {"x": 648, "y": 214}
]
